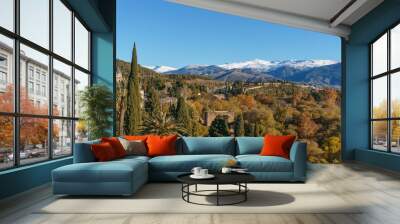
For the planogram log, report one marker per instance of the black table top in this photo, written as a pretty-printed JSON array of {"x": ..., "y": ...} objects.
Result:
[{"x": 220, "y": 178}]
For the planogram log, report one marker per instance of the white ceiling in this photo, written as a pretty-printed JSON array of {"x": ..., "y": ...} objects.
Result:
[{"x": 317, "y": 15}]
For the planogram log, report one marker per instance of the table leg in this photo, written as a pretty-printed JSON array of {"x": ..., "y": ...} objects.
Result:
[
  {"x": 195, "y": 188},
  {"x": 245, "y": 193},
  {"x": 217, "y": 194}
]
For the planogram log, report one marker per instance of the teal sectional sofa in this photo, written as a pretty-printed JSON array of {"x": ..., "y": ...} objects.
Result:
[{"x": 125, "y": 176}]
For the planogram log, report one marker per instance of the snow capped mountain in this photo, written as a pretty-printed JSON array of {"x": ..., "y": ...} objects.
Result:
[
  {"x": 160, "y": 69},
  {"x": 254, "y": 64},
  {"x": 323, "y": 72},
  {"x": 259, "y": 64}
]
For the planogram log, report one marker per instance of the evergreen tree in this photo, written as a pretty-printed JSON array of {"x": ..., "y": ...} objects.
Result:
[
  {"x": 133, "y": 116},
  {"x": 239, "y": 125},
  {"x": 219, "y": 127},
  {"x": 256, "y": 130},
  {"x": 152, "y": 104},
  {"x": 182, "y": 114},
  {"x": 249, "y": 129}
]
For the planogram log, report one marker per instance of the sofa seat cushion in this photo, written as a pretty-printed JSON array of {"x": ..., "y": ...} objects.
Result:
[
  {"x": 185, "y": 163},
  {"x": 257, "y": 163},
  {"x": 113, "y": 171}
]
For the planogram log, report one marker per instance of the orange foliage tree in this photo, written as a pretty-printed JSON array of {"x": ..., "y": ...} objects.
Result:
[{"x": 33, "y": 131}]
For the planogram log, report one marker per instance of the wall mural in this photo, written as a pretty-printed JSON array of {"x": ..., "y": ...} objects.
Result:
[{"x": 251, "y": 98}]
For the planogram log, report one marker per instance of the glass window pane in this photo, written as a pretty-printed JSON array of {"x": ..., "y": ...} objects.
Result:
[
  {"x": 62, "y": 89},
  {"x": 81, "y": 45},
  {"x": 81, "y": 131},
  {"x": 7, "y": 14},
  {"x": 34, "y": 97},
  {"x": 6, "y": 142},
  {"x": 62, "y": 138},
  {"x": 379, "y": 135},
  {"x": 379, "y": 97},
  {"x": 6, "y": 74},
  {"x": 33, "y": 140},
  {"x": 81, "y": 82},
  {"x": 395, "y": 94},
  {"x": 34, "y": 21},
  {"x": 395, "y": 138},
  {"x": 62, "y": 29},
  {"x": 395, "y": 47},
  {"x": 379, "y": 55}
]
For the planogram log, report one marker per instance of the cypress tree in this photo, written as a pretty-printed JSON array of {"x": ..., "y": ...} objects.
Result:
[
  {"x": 239, "y": 125},
  {"x": 182, "y": 114},
  {"x": 152, "y": 104},
  {"x": 219, "y": 127},
  {"x": 133, "y": 116}
]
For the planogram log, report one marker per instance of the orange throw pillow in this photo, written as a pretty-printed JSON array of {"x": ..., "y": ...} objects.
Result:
[
  {"x": 136, "y": 137},
  {"x": 103, "y": 152},
  {"x": 277, "y": 145},
  {"x": 116, "y": 145},
  {"x": 161, "y": 145}
]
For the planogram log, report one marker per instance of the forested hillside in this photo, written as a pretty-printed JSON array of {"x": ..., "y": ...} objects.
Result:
[{"x": 199, "y": 106}]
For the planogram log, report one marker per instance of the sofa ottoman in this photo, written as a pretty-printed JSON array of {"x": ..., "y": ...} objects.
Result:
[{"x": 119, "y": 177}]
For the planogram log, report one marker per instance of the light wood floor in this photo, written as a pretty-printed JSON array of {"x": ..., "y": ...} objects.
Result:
[{"x": 378, "y": 189}]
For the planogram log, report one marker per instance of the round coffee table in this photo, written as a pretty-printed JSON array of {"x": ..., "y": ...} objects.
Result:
[{"x": 238, "y": 179}]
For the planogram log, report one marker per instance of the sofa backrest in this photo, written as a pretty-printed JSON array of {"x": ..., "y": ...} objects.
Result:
[
  {"x": 206, "y": 145},
  {"x": 249, "y": 145},
  {"x": 83, "y": 152}
]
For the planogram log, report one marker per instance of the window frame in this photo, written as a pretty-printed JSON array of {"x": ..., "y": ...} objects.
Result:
[
  {"x": 388, "y": 74},
  {"x": 16, "y": 114}
]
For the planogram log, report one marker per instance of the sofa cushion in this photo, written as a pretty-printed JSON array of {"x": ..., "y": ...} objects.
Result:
[
  {"x": 103, "y": 152},
  {"x": 161, "y": 145},
  {"x": 185, "y": 163},
  {"x": 112, "y": 171},
  {"x": 257, "y": 163},
  {"x": 134, "y": 147},
  {"x": 249, "y": 145},
  {"x": 277, "y": 145},
  {"x": 208, "y": 145},
  {"x": 116, "y": 145}
]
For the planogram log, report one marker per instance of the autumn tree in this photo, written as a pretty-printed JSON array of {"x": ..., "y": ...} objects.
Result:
[
  {"x": 306, "y": 126},
  {"x": 33, "y": 131}
]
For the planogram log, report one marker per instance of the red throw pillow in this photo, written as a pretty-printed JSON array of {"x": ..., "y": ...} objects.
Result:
[
  {"x": 277, "y": 145},
  {"x": 161, "y": 145},
  {"x": 116, "y": 145},
  {"x": 103, "y": 152}
]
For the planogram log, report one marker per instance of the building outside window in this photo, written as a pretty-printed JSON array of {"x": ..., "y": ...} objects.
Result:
[
  {"x": 43, "y": 90},
  {"x": 30, "y": 72},
  {"x": 34, "y": 75},
  {"x": 30, "y": 87},
  {"x": 3, "y": 71},
  {"x": 385, "y": 94}
]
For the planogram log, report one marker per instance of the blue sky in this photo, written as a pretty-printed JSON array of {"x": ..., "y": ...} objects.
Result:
[{"x": 176, "y": 35}]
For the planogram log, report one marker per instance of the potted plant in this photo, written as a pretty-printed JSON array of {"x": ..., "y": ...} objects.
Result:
[{"x": 96, "y": 102}]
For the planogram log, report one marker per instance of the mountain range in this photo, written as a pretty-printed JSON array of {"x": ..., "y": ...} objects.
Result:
[{"x": 314, "y": 72}]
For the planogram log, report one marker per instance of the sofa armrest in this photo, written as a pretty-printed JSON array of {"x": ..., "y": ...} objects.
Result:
[
  {"x": 83, "y": 152},
  {"x": 298, "y": 155}
]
